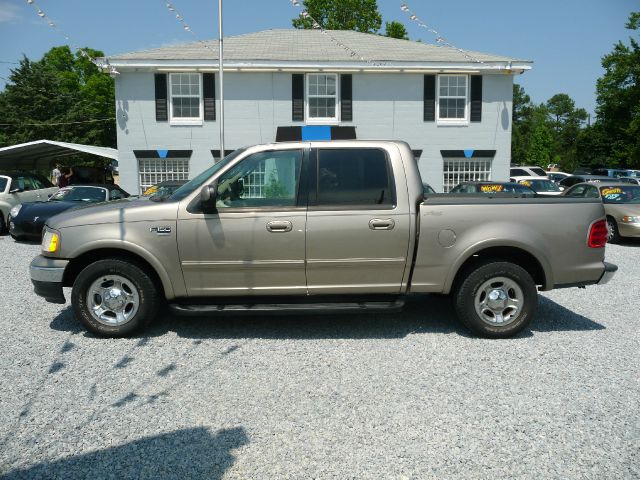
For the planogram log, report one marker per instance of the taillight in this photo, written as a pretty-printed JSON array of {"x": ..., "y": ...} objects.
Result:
[{"x": 598, "y": 234}]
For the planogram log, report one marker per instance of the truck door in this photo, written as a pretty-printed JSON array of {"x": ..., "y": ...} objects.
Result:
[
  {"x": 254, "y": 243},
  {"x": 357, "y": 229}
]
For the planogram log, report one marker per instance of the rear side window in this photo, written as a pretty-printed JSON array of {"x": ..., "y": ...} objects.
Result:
[
  {"x": 538, "y": 171},
  {"x": 518, "y": 172},
  {"x": 354, "y": 176}
]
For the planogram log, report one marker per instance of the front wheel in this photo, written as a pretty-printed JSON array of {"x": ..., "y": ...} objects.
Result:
[
  {"x": 496, "y": 299},
  {"x": 114, "y": 298}
]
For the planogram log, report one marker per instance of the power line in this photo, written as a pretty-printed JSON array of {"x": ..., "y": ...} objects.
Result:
[
  {"x": 80, "y": 50},
  {"x": 55, "y": 123}
]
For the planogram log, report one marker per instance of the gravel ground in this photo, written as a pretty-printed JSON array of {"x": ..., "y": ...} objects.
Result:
[{"x": 407, "y": 395}]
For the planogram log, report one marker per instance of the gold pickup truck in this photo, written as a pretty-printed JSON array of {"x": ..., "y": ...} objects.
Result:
[{"x": 320, "y": 226}]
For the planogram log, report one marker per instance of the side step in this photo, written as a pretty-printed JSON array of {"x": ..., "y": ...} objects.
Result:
[{"x": 285, "y": 308}]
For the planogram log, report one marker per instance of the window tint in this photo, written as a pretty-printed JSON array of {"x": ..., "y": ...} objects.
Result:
[
  {"x": 265, "y": 179},
  {"x": 592, "y": 192},
  {"x": 354, "y": 177},
  {"x": 538, "y": 171},
  {"x": 37, "y": 183},
  {"x": 3, "y": 184},
  {"x": 116, "y": 194},
  {"x": 577, "y": 191},
  {"x": 518, "y": 172}
]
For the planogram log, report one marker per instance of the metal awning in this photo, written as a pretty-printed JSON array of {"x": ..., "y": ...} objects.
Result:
[{"x": 40, "y": 154}]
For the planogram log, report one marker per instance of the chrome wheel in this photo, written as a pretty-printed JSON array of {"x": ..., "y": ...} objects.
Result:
[
  {"x": 498, "y": 301},
  {"x": 113, "y": 300}
]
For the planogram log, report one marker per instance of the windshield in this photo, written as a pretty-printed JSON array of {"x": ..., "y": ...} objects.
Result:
[
  {"x": 3, "y": 183},
  {"x": 79, "y": 194},
  {"x": 504, "y": 188},
  {"x": 622, "y": 194},
  {"x": 541, "y": 185},
  {"x": 198, "y": 181}
]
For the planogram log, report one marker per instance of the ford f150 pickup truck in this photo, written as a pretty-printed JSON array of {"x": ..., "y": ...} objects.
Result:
[{"x": 320, "y": 226}]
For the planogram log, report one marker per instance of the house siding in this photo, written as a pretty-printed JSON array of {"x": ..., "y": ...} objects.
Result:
[{"x": 385, "y": 106}]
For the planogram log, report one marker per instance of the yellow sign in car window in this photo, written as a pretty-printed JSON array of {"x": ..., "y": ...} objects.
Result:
[
  {"x": 610, "y": 191},
  {"x": 526, "y": 183},
  {"x": 491, "y": 188}
]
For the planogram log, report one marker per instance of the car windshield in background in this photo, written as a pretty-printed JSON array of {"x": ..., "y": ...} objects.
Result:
[
  {"x": 80, "y": 194},
  {"x": 541, "y": 185},
  {"x": 500, "y": 188},
  {"x": 197, "y": 182},
  {"x": 621, "y": 194},
  {"x": 3, "y": 183}
]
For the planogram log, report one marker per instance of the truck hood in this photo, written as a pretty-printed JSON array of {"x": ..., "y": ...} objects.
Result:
[{"x": 126, "y": 210}]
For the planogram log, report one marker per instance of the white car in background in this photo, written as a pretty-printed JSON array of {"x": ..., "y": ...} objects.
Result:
[
  {"x": 540, "y": 185},
  {"x": 18, "y": 188}
]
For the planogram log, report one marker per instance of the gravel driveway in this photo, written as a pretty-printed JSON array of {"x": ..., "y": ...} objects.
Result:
[{"x": 407, "y": 395}]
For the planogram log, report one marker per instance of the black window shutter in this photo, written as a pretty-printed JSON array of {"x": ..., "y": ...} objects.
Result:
[
  {"x": 209, "y": 94},
  {"x": 161, "y": 97},
  {"x": 429, "y": 98},
  {"x": 346, "y": 104},
  {"x": 476, "y": 98},
  {"x": 297, "y": 97}
]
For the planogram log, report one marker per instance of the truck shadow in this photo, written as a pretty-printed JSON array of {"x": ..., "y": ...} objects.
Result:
[
  {"x": 421, "y": 314},
  {"x": 189, "y": 453}
]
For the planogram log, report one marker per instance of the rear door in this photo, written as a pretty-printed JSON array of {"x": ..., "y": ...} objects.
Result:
[{"x": 357, "y": 232}]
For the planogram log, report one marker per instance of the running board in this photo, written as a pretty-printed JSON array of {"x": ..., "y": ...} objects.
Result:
[{"x": 286, "y": 308}]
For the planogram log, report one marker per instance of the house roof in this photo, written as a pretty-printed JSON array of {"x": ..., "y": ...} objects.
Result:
[{"x": 291, "y": 46}]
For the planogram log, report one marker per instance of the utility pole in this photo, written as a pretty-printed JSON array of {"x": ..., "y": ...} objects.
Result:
[{"x": 220, "y": 74}]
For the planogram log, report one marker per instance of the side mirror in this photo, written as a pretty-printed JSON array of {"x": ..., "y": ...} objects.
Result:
[{"x": 208, "y": 195}]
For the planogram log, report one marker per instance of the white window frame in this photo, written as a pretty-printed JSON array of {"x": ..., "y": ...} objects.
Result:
[
  {"x": 453, "y": 121},
  {"x": 185, "y": 120},
  {"x": 465, "y": 170},
  {"x": 322, "y": 120}
]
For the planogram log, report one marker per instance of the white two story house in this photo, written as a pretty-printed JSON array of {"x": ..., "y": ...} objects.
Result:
[{"x": 452, "y": 107}]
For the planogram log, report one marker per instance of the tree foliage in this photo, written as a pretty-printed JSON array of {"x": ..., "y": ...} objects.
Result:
[
  {"x": 60, "y": 88},
  {"x": 618, "y": 99},
  {"x": 359, "y": 15},
  {"x": 396, "y": 30}
]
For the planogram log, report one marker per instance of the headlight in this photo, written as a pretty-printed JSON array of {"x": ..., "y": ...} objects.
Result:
[
  {"x": 15, "y": 210},
  {"x": 625, "y": 219},
  {"x": 50, "y": 241}
]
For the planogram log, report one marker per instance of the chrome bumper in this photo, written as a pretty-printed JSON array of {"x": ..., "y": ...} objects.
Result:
[
  {"x": 609, "y": 271},
  {"x": 47, "y": 275}
]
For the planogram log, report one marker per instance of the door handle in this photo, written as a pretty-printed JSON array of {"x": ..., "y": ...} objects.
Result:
[
  {"x": 279, "y": 226},
  {"x": 381, "y": 224}
]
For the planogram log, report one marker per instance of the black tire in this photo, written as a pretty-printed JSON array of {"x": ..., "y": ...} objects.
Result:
[
  {"x": 3, "y": 224},
  {"x": 136, "y": 279},
  {"x": 468, "y": 293},
  {"x": 614, "y": 233}
]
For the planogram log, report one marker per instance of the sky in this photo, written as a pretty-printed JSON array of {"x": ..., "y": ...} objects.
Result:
[{"x": 566, "y": 39}]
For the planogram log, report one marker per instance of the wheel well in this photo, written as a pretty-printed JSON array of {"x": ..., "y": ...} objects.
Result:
[
  {"x": 78, "y": 264},
  {"x": 513, "y": 255}
]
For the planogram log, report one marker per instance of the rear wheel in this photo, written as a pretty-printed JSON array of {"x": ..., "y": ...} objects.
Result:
[
  {"x": 614, "y": 233},
  {"x": 496, "y": 299},
  {"x": 3, "y": 225},
  {"x": 114, "y": 298}
]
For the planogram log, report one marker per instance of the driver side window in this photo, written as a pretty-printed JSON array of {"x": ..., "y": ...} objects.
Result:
[{"x": 264, "y": 179}]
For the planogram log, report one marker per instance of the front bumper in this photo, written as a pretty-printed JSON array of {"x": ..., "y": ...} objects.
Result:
[
  {"x": 609, "y": 271},
  {"x": 47, "y": 275}
]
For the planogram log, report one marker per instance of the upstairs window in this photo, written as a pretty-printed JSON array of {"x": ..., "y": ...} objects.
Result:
[
  {"x": 453, "y": 93},
  {"x": 185, "y": 97},
  {"x": 322, "y": 97}
]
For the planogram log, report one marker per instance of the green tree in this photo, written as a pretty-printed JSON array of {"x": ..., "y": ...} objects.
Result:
[
  {"x": 540, "y": 150},
  {"x": 42, "y": 98},
  {"x": 395, "y": 30},
  {"x": 521, "y": 122},
  {"x": 359, "y": 15},
  {"x": 566, "y": 121},
  {"x": 618, "y": 99}
]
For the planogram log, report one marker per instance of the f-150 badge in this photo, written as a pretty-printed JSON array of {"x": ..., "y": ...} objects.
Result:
[{"x": 161, "y": 230}]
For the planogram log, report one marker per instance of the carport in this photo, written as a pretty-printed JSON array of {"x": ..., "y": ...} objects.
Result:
[{"x": 42, "y": 154}]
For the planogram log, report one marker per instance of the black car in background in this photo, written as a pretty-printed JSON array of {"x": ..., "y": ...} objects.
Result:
[{"x": 27, "y": 220}]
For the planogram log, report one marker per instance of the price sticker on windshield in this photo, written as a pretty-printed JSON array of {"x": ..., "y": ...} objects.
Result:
[
  {"x": 491, "y": 188},
  {"x": 611, "y": 191},
  {"x": 526, "y": 183}
]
